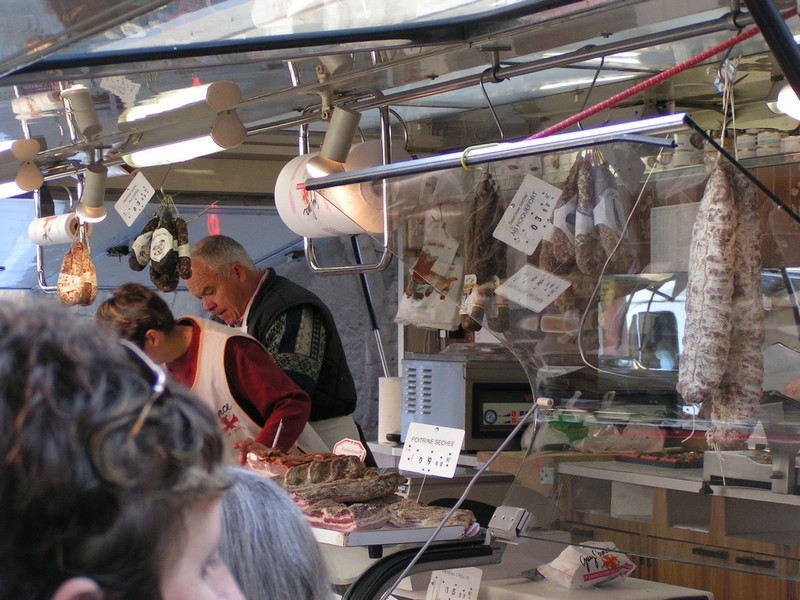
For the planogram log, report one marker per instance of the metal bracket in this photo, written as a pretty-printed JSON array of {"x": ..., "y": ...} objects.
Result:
[
  {"x": 508, "y": 522},
  {"x": 386, "y": 257}
]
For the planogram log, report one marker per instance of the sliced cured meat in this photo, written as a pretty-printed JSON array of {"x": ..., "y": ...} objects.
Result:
[
  {"x": 408, "y": 513},
  {"x": 709, "y": 293},
  {"x": 359, "y": 490},
  {"x": 341, "y": 517}
]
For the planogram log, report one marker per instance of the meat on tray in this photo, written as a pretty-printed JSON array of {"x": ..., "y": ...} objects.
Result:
[
  {"x": 361, "y": 516},
  {"x": 408, "y": 513},
  {"x": 274, "y": 461},
  {"x": 321, "y": 471},
  {"x": 347, "y": 490}
]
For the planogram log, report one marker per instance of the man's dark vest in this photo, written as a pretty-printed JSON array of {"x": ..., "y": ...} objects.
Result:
[{"x": 335, "y": 394}]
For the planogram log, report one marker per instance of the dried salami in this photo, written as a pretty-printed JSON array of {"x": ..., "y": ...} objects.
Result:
[
  {"x": 485, "y": 256},
  {"x": 140, "y": 249},
  {"x": 609, "y": 220},
  {"x": 734, "y": 408},
  {"x": 164, "y": 245},
  {"x": 184, "y": 259},
  {"x": 589, "y": 254},
  {"x": 164, "y": 282},
  {"x": 709, "y": 293},
  {"x": 564, "y": 217}
]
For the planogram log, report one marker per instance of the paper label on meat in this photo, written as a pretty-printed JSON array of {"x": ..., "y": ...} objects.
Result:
[
  {"x": 564, "y": 219},
  {"x": 431, "y": 450},
  {"x": 607, "y": 211},
  {"x": 348, "y": 447},
  {"x": 440, "y": 246},
  {"x": 533, "y": 288},
  {"x": 161, "y": 244},
  {"x": 526, "y": 220}
]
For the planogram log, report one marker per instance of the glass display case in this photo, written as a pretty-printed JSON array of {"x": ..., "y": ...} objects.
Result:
[{"x": 645, "y": 280}]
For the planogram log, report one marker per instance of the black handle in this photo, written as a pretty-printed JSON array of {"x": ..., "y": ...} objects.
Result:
[
  {"x": 720, "y": 554},
  {"x": 755, "y": 562}
]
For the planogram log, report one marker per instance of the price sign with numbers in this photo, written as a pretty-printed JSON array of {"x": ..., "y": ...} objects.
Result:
[
  {"x": 134, "y": 198},
  {"x": 527, "y": 217},
  {"x": 533, "y": 288},
  {"x": 431, "y": 450},
  {"x": 454, "y": 584}
]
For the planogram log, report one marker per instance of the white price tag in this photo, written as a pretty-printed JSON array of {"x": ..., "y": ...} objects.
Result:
[
  {"x": 527, "y": 217},
  {"x": 431, "y": 450},
  {"x": 454, "y": 584},
  {"x": 134, "y": 198},
  {"x": 533, "y": 288}
]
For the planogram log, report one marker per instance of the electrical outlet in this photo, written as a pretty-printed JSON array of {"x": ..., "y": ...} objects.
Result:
[{"x": 547, "y": 476}]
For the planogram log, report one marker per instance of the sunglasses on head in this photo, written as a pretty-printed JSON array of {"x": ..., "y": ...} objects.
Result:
[{"x": 158, "y": 385}]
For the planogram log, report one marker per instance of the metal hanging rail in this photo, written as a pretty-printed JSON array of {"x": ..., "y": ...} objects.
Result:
[{"x": 628, "y": 132}]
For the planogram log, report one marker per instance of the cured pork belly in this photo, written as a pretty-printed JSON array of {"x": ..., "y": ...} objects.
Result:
[
  {"x": 341, "y": 517},
  {"x": 347, "y": 490},
  {"x": 408, "y": 513},
  {"x": 321, "y": 471}
]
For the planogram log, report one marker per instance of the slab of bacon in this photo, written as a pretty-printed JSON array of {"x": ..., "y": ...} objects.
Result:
[
  {"x": 321, "y": 471},
  {"x": 274, "y": 461},
  {"x": 408, "y": 513},
  {"x": 361, "y": 516}
]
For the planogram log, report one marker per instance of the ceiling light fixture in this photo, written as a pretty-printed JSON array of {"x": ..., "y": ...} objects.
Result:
[
  {"x": 91, "y": 208},
  {"x": 336, "y": 145},
  {"x": 179, "y": 106},
  {"x": 182, "y": 124},
  {"x": 18, "y": 172},
  {"x": 184, "y": 141}
]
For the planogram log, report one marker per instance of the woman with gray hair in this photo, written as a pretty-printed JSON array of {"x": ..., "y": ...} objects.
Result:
[{"x": 267, "y": 543}]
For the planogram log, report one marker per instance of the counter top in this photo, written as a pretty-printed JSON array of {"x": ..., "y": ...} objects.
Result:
[{"x": 687, "y": 480}]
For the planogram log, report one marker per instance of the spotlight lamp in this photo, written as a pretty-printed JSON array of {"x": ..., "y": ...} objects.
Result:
[
  {"x": 79, "y": 107},
  {"x": 336, "y": 145},
  {"x": 18, "y": 171},
  {"x": 91, "y": 208}
]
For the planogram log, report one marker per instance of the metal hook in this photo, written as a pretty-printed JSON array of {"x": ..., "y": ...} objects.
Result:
[
  {"x": 491, "y": 70},
  {"x": 591, "y": 88}
]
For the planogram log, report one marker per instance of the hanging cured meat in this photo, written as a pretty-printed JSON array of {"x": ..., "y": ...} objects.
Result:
[
  {"x": 589, "y": 254},
  {"x": 485, "y": 259},
  {"x": 564, "y": 218},
  {"x": 735, "y": 406},
  {"x": 709, "y": 293},
  {"x": 609, "y": 220},
  {"x": 77, "y": 280}
]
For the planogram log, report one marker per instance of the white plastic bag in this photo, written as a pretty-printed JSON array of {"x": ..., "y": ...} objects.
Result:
[{"x": 588, "y": 565}]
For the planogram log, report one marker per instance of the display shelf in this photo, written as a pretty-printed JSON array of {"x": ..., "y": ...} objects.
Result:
[
  {"x": 386, "y": 536},
  {"x": 688, "y": 480}
]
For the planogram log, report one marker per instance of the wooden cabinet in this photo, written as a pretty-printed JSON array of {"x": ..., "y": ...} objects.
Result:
[
  {"x": 738, "y": 543},
  {"x": 716, "y": 569}
]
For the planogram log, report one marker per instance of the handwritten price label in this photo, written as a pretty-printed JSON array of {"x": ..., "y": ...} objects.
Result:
[
  {"x": 431, "y": 450},
  {"x": 527, "y": 218},
  {"x": 454, "y": 584},
  {"x": 533, "y": 288}
]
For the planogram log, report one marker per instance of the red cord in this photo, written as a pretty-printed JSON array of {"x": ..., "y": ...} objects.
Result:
[{"x": 647, "y": 83}]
